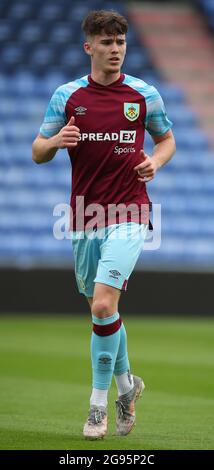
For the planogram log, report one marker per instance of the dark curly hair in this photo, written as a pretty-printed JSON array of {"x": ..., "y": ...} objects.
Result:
[{"x": 99, "y": 21}]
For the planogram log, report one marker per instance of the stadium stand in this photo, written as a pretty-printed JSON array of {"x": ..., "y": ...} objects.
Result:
[
  {"x": 40, "y": 50},
  {"x": 207, "y": 6}
]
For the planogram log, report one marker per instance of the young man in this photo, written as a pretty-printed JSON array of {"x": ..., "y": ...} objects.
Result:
[{"x": 101, "y": 119}]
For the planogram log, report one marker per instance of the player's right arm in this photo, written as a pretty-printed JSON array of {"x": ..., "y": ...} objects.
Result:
[{"x": 44, "y": 148}]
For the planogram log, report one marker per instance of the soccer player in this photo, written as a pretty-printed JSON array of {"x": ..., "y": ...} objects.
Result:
[{"x": 101, "y": 119}]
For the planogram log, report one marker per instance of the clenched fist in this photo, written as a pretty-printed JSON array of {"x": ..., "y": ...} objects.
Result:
[
  {"x": 68, "y": 136},
  {"x": 147, "y": 169}
]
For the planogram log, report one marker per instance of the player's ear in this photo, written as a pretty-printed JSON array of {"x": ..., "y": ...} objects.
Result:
[{"x": 87, "y": 48}]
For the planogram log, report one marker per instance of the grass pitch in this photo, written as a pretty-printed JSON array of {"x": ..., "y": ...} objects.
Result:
[{"x": 45, "y": 377}]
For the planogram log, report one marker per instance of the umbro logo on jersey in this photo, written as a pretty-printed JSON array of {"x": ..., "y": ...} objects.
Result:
[{"x": 80, "y": 110}]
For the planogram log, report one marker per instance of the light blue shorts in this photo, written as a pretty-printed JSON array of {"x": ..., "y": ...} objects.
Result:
[{"x": 107, "y": 255}]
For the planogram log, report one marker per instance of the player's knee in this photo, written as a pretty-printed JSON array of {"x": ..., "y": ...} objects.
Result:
[{"x": 101, "y": 308}]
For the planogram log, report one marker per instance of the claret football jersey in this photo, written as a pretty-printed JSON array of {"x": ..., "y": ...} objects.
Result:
[{"x": 112, "y": 120}]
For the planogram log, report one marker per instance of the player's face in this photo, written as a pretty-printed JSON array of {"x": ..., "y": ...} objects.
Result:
[{"x": 107, "y": 52}]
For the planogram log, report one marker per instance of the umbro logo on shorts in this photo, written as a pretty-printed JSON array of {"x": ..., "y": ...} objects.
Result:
[{"x": 114, "y": 273}]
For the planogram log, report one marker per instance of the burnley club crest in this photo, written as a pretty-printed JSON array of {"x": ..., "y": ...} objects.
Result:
[{"x": 131, "y": 111}]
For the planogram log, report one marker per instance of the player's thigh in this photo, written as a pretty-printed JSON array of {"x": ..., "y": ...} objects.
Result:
[
  {"x": 120, "y": 250},
  {"x": 86, "y": 256}
]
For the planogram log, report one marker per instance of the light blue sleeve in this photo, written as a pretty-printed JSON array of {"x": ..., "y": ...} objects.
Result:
[
  {"x": 55, "y": 116},
  {"x": 157, "y": 122}
]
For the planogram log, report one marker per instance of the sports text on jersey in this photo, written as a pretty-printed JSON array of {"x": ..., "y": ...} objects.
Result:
[
  {"x": 123, "y": 137},
  {"x": 123, "y": 150}
]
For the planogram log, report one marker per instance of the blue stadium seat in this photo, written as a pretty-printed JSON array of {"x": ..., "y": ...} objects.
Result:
[
  {"x": 190, "y": 202},
  {"x": 29, "y": 198},
  {"x": 34, "y": 109},
  {"x": 192, "y": 139},
  {"x": 52, "y": 12},
  {"x": 182, "y": 115},
  {"x": 208, "y": 8},
  {"x": 51, "y": 81},
  {"x": 4, "y": 6},
  {"x": 63, "y": 33},
  {"x": 171, "y": 93},
  {"x": 17, "y": 85},
  {"x": 78, "y": 11},
  {"x": 11, "y": 55},
  {"x": 136, "y": 60},
  {"x": 19, "y": 131},
  {"x": 132, "y": 37},
  {"x": 33, "y": 32},
  {"x": 73, "y": 57},
  {"x": 43, "y": 55},
  {"x": 190, "y": 226},
  {"x": 186, "y": 181},
  {"x": 7, "y": 31},
  {"x": 22, "y": 10}
]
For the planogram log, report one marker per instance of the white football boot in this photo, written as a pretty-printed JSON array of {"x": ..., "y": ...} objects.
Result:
[
  {"x": 125, "y": 407},
  {"x": 96, "y": 424}
]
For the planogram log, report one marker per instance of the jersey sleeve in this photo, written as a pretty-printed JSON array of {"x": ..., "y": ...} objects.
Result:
[
  {"x": 55, "y": 117},
  {"x": 157, "y": 122}
]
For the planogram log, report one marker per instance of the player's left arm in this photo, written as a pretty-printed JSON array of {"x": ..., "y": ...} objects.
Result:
[{"x": 164, "y": 149}]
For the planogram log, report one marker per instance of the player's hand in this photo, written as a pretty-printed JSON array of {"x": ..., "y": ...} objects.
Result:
[
  {"x": 68, "y": 136},
  {"x": 147, "y": 169}
]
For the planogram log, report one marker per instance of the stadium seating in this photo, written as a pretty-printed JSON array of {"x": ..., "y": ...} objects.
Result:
[
  {"x": 41, "y": 50},
  {"x": 207, "y": 7}
]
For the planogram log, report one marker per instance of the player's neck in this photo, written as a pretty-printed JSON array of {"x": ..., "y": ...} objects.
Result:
[{"x": 104, "y": 78}]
